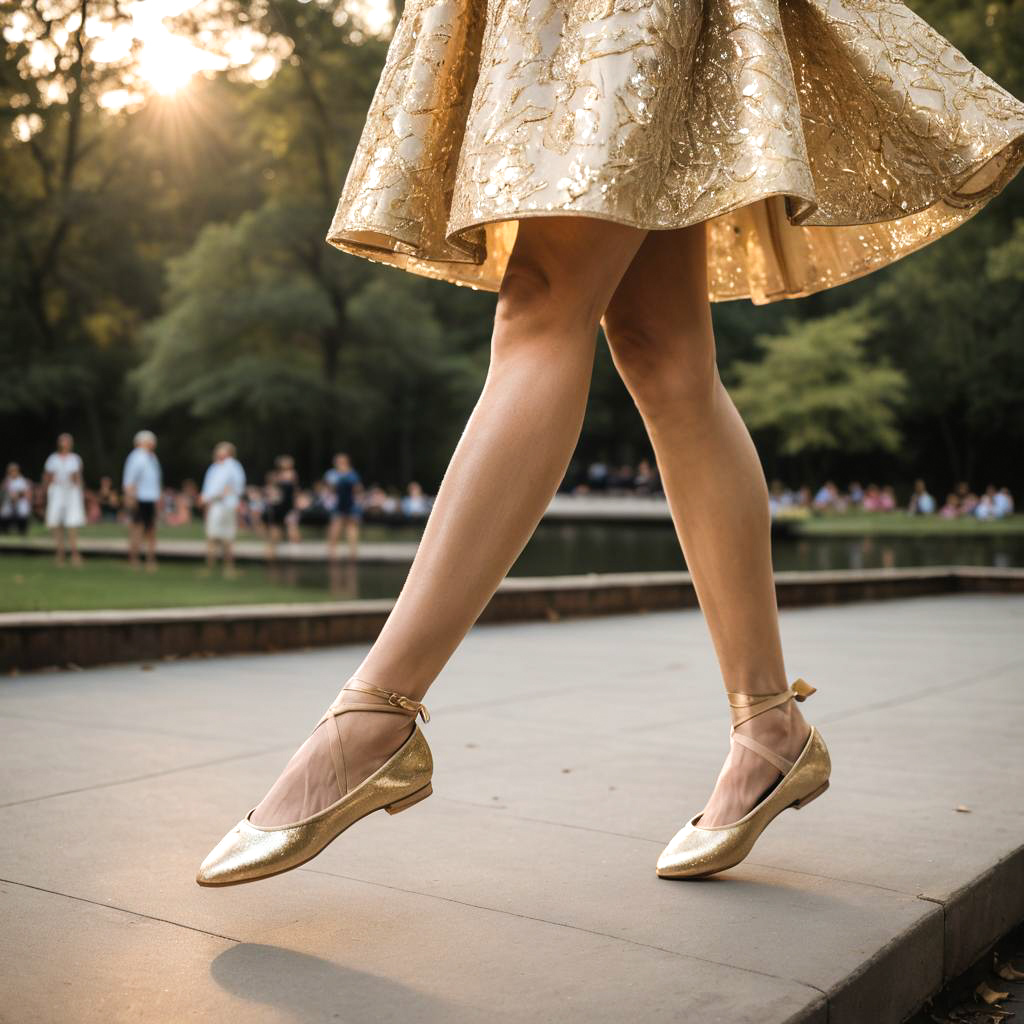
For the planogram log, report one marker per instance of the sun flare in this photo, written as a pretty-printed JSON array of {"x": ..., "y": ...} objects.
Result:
[{"x": 167, "y": 63}]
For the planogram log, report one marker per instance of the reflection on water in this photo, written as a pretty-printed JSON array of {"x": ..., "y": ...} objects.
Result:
[{"x": 560, "y": 549}]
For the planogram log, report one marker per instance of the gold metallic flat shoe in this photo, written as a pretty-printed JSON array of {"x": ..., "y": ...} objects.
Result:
[
  {"x": 697, "y": 851},
  {"x": 250, "y": 852}
]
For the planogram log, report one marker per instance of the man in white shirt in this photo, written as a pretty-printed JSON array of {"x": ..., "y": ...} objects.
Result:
[
  {"x": 142, "y": 483},
  {"x": 223, "y": 487}
]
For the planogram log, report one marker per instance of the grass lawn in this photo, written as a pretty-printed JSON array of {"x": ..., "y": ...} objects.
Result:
[
  {"x": 892, "y": 524},
  {"x": 37, "y": 583}
]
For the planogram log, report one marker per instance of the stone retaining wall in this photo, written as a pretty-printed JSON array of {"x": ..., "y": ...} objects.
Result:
[{"x": 36, "y": 640}]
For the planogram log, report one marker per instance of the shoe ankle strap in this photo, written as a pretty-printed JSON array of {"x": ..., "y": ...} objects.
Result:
[
  {"x": 395, "y": 700},
  {"x": 800, "y": 690},
  {"x": 740, "y": 704}
]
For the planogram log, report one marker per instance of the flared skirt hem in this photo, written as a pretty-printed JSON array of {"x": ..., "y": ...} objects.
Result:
[{"x": 480, "y": 265}]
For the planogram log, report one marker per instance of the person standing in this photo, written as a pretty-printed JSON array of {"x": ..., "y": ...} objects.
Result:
[
  {"x": 223, "y": 487},
  {"x": 283, "y": 485},
  {"x": 347, "y": 512},
  {"x": 15, "y": 501},
  {"x": 65, "y": 505},
  {"x": 142, "y": 483}
]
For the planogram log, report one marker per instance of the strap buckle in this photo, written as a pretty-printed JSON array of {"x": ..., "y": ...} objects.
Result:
[{"x": 399, "y": 700}]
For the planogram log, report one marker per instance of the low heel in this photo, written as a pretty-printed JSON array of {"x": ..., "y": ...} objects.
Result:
[
  {"x": 804, "y": 800},
  {"x": 413, "y": 798}
]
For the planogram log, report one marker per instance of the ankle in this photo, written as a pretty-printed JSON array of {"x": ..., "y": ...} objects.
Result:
[{"x": 780, "y": 724}]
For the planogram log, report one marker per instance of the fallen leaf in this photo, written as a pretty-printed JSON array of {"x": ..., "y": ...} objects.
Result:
[
  {"x": 1009, "y": 973},
  {"x": 990, "y": 995}
]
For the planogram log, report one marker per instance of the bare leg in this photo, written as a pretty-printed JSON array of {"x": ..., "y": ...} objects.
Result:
[
  {"x": 353, "y": 538},
  {"x": 76, "y": 558},
  {"x": 659, "y": 331},
  {"x": 560, "y": 278},
  {"x": 228, "y": 547},
  {"x": 134, "y": 543},
  {"x": 151, "y": 549},
  {"x": 58, "y": 540},
  {"x": 333, "y": 533}
]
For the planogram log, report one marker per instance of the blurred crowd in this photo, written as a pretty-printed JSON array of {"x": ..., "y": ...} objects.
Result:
[
  {"x": 225, "y": 501},
  {"x": 24, "y": 501},
  {"x": 602, "y": 478},
  {"x": 277, "y": 507},
  {"x": 992, "y": 503}
]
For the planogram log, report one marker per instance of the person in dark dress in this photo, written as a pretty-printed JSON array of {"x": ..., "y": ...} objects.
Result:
[{"x": 283, "y": 484}]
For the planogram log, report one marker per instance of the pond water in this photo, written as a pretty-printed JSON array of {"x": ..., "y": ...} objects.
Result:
[{"x": 567, "y": 549}]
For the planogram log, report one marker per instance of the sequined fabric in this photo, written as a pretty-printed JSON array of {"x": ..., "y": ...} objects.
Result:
[{"x": 820, "y": 139}]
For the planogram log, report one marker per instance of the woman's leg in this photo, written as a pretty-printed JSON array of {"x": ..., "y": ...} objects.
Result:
[
  {"x": 658, "y": 326},
  {"x": 508, "y": 463},
  {"x": 76, "y": 558}
]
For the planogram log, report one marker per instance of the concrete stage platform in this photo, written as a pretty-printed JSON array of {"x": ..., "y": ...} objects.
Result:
[{"x": 567, "y": 753}]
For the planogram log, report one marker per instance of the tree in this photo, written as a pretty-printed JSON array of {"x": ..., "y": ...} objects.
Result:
[{"x": 816, "y": 391}]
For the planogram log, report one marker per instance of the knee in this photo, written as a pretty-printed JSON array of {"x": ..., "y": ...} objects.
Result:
[
  {"x": 668, "y": 368},
  {"x": 537, "y": 300}
]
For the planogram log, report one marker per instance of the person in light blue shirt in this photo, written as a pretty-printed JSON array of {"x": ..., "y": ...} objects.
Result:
[
  {"x": 142, "y": 482},
  {"x": 921, "y": 501}
]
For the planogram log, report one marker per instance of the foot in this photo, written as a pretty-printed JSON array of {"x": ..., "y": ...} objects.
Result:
[
  {"x": 309, "y": 782},
  {"x": 746, "y": 776}
]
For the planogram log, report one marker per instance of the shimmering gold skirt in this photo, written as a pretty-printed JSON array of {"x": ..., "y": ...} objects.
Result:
[{"x": 820, "y": 139}]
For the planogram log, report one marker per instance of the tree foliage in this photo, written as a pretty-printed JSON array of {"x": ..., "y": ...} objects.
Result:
[
  {"x": 817, "y": 390},
  {"x": 164, "y": 264}
]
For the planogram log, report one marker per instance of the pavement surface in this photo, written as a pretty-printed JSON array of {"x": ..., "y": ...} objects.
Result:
[{"x": 567, "y": 754}]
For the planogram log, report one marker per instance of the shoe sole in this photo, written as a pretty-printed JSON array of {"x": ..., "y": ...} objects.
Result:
[
  {"x": 396, "y": 808},
  {"x": 805, "y": 800},
  {"x": 406, "y": 802}
]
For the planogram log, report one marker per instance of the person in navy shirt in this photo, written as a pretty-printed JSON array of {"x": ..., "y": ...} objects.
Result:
[{"x": 347, "y": 512}]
